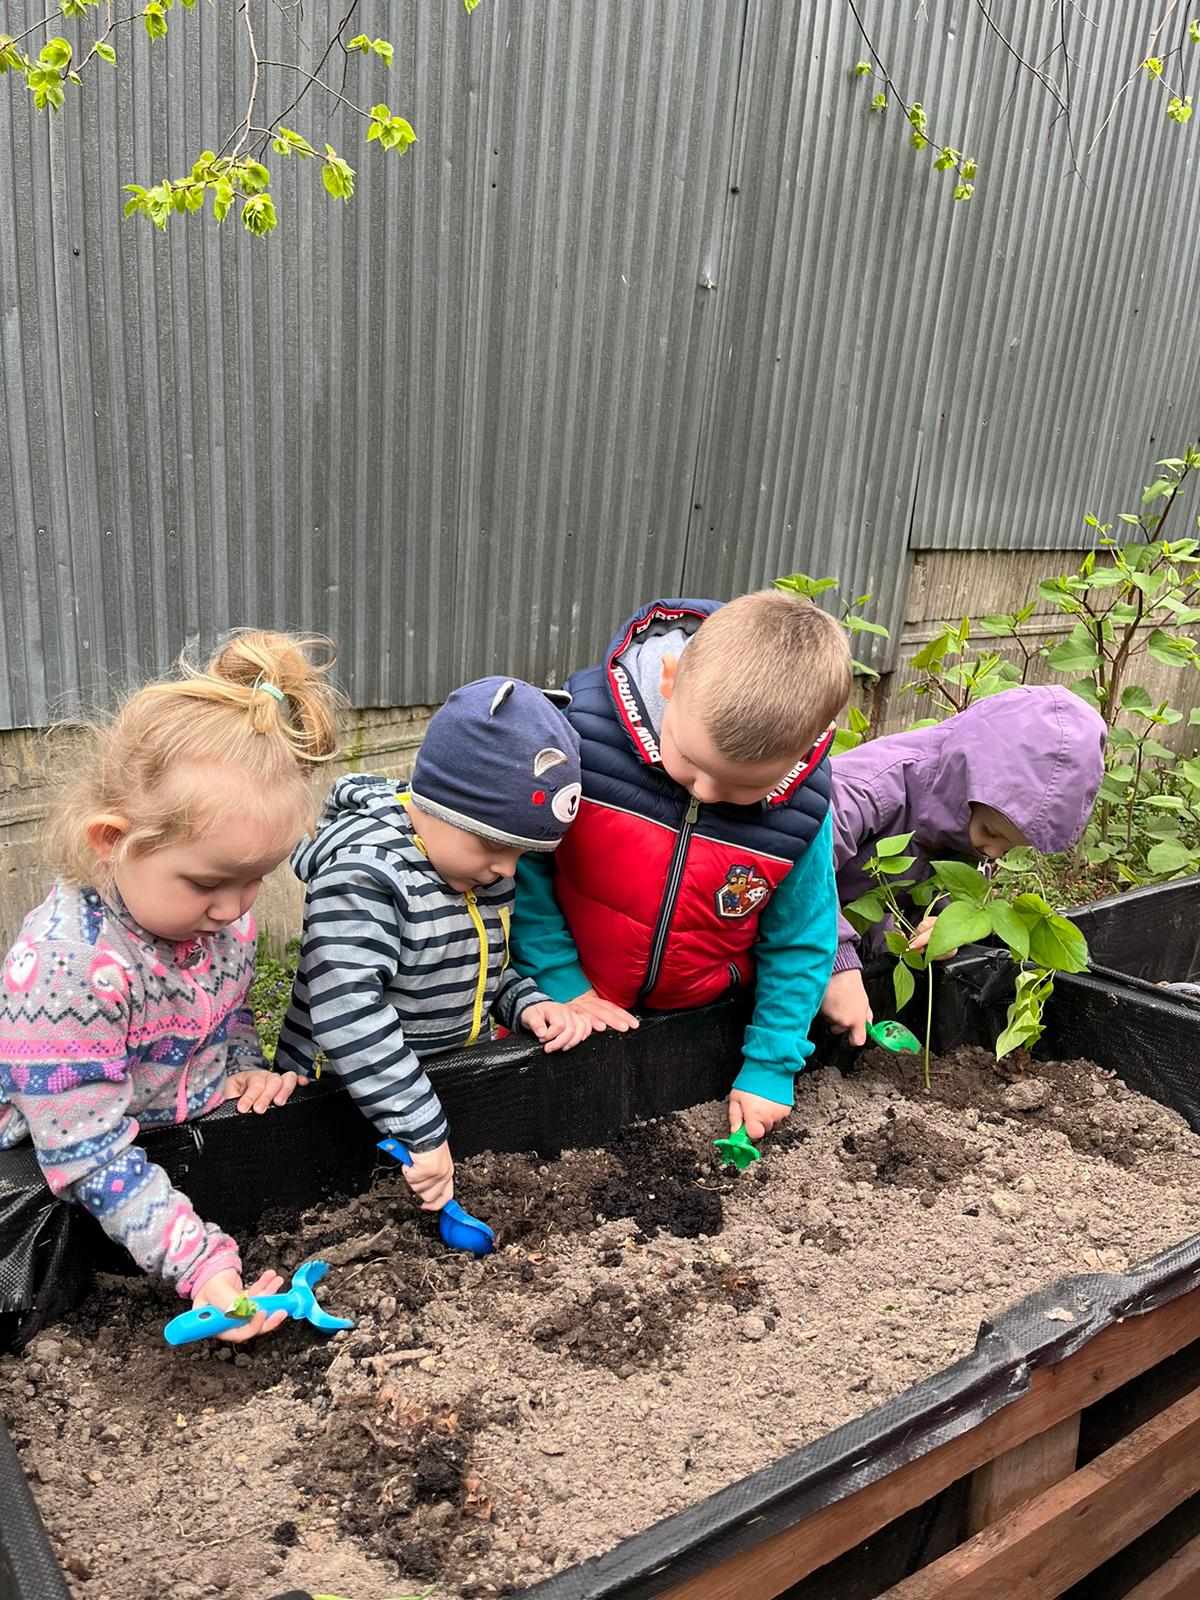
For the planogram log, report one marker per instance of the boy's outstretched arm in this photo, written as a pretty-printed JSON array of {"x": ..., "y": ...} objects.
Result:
[
  {"x": 797, "y": 938},
  {"x": 542, "y": 946}
]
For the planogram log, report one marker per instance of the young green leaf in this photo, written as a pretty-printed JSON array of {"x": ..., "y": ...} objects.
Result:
[
  {"x": 963, "y": 881},
  {"x": 1009, "y": 927},
  {"x": 337, "y": 175},
  {"x": 895, "y": 845},
  {"x": 156, "y": 20},
  {"x": 1170, "y": 650},
  {"x": 258, "y": 215},
  {"x": 903, "y": 984},
  {"x": 864, "y": 912},
  {"x": 1077, "y": 652},
  {"x": 1058, "y": 945},
  {"x": 959, "y": 924},
  {"x": 55, "y": 53},
  {"x": 1135, "y": 698},
  {"x": 894, "y": 866},
  {"x": 1170, "y": 857},
  {"x": 105, "y": 52}
]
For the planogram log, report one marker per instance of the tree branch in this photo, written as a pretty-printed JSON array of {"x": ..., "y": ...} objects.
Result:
[
  {"x": 316, "y": 76},
  {"x": 1047, "y": 83},
  {"x": 245, "y": 133},
  {"x": 290, "y": 66}
]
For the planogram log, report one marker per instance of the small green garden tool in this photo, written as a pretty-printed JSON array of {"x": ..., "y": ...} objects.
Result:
[
  {"x": 737, "y": 1150},
  {"x": 893, "y": 1036}
]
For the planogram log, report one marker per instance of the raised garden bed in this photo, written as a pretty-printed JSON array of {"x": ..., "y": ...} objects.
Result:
[{"x": 718, "y": 1331}]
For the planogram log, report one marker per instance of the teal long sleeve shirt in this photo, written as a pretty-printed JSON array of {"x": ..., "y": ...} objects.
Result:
[{"x": 793, "y": 955}]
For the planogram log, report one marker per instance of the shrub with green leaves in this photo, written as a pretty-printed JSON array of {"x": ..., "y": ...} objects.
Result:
[{"x": 1128, "y": 602}]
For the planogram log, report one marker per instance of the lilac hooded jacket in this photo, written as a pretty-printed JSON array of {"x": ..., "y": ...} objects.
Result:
[{"x": 1035, "y": 754}]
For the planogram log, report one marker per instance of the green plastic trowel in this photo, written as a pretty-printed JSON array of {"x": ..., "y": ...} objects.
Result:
[
  {"x": 737, "y": 1150},
  {"x": 893, "y": 1036}
]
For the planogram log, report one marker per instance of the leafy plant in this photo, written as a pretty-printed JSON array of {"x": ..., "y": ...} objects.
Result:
[
  {"x": 966, "y": 906},
  {"x": 950, "y": 675},
  {"x": 233, "y": 175},
  {"x": 243, "y": 1306},
  {"x": 851, "y": 618}
]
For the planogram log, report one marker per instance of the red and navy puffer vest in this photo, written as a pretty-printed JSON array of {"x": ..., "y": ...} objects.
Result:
[{"x": 662, "y": 894}]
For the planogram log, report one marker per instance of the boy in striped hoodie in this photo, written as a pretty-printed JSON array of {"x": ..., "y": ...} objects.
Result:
[{"x": 409, "y": 894}]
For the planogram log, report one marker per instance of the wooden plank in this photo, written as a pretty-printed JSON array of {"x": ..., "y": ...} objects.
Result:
[
  {"x": 1178, "y": 1579},
  {"x": 1115, "y": 1355},
  {"x": 1044, "y": 1546},
  {"x": 1004, "y": 1483}
]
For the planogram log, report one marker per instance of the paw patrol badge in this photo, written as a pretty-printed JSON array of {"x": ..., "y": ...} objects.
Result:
[{"x": 743, "y": 891}]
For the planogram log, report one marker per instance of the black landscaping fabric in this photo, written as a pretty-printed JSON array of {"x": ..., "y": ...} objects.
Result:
[{"x": 511, "y": 1096}]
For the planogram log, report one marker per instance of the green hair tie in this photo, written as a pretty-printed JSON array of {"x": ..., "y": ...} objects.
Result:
[{"x": 269, "y": 688}]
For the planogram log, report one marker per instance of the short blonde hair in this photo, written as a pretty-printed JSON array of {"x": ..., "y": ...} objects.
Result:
[
  {"x": 261, "y": 706},
  {"x": 766, "y": 674}
]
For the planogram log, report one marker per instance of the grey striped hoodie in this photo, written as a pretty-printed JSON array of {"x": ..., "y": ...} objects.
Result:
[{"x": 395, "y": 965}]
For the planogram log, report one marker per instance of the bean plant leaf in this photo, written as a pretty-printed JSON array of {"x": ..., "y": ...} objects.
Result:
[
  {"x": 1008, "y": 925},
  {"x": 959, "y": 924},
  {"x": 1058, "y": 945},
  {"x": 894, "y": 846},
  {"x": 963, "y": 881},
  {"x": 904, "y": 985}
]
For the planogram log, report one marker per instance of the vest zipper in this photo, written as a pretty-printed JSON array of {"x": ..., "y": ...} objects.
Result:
[
  {"x": 670, "y": 895},
  {"x": 481, "y": 985}
]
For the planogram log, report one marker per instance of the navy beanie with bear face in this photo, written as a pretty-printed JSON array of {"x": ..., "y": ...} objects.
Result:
[{"x": 501, "y": 760}]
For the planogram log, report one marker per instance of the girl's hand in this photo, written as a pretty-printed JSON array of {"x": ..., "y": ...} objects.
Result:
[
  {"x": 431, "y": 1176},
  {"x": 846, "y": 1007},
  {"x": 223, "y": 1289},
  {"x": 921, "y": 938},
  {"x": 756, "y": 1115},
  {"x": 602, "y": 1013},
  {"x": 259, "y": 1090},
  {"x": 559, "y": 1027}
]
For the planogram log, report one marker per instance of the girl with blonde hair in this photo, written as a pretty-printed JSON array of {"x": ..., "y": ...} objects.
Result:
[{"x": 123, "y": 1002}]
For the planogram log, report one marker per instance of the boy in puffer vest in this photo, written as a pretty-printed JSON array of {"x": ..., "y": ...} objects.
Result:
[
  {"x": 405, "y": 951},
  {"x": 701, "y": 861}
]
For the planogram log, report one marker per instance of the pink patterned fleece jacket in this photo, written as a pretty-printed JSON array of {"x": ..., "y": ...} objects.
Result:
[{"x": 105, "y": 1029}]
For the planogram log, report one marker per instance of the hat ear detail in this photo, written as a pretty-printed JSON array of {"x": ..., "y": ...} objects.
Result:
[
  {"x": 501, "y": 695},
  {"x": 547, "y": 758}
]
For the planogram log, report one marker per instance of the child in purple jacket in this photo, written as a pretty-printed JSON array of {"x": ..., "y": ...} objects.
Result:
[{"x": 1020, "y": 768}]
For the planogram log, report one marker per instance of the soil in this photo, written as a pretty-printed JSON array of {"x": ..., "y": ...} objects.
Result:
[{"x": 648, "y": 1321}]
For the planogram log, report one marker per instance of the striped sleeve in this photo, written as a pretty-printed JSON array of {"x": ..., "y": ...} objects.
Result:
[
  {"x": 348, "y": 959},
  {"x": 515, "y": 995}
]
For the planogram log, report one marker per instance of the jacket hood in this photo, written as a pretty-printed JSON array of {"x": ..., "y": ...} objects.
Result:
[
  {"x": 361, "y": 811},
  {"x": 1035, "y": 754}
]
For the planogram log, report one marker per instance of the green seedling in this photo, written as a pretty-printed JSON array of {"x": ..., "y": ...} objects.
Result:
[
  {"x": 737, "y": 1150},
  {"x": 894, "y": 1036},
  {"x": 243, "y": 1306}
]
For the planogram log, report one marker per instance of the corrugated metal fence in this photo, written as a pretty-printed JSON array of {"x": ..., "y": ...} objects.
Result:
[{"x": 654, "y": 305}]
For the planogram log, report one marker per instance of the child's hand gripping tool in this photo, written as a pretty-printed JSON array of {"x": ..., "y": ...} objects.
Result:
[
  {"x": 458, "y": 1228},
  {"x": 300, "y": 1303}
]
